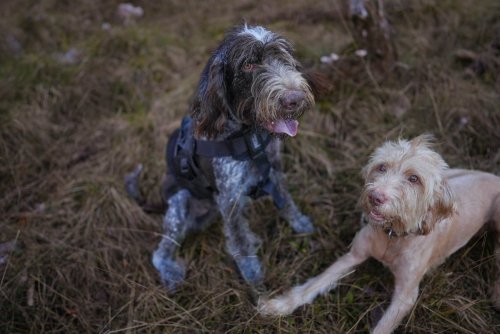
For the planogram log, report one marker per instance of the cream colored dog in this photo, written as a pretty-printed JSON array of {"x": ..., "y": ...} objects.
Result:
[{"x": 419, "y": 212}]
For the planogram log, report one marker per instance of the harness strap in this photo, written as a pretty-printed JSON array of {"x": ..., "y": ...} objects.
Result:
[
  {"x": 183, "y": 165},
  {"x": 189, "y": 158},
  {"x": 251, "y": 145},
  {"x": 212, "y": 149},
  {"x": 269, "y": 188},
  {"x": 242, "y": 146}
]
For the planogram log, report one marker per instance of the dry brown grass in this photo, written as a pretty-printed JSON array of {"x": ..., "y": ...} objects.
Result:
[{"x": 69, "y": 133}]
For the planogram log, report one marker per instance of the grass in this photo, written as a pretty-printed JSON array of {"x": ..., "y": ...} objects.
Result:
[{"x": 70, "y": 132}]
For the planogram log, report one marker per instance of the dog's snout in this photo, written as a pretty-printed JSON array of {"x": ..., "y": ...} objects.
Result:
[
  {"x": 292, "y": 99},
  {"x": 377, "y": 198}
]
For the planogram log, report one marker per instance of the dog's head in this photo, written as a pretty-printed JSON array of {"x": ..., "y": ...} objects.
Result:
[
  {"x": 405, "y": 188},
  {"x": 252, "y": 78}
]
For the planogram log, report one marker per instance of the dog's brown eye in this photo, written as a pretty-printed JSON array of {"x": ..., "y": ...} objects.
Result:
[
  {"x": 382, "y": 168},
  {"x": 413, "y": 179},
  {"x": 248, "y": 67}
]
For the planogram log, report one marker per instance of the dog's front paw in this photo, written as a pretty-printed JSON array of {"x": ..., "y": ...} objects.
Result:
[
  {"x": 250, "y": 269},
  {"x": 172, "y": 272},
  {"x": 274, "y": 307},
  {"x": 301, "y": 223}
]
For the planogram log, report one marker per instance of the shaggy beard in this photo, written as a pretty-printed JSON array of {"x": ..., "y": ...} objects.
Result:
[
  {"x": 398, "y": 214},
  {"x": 269, "y": 89}
]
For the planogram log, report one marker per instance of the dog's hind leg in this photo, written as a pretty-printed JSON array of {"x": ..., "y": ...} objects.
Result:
[
  {"x": 180, "y": 219},
  {"x": 405, "y": 295}
]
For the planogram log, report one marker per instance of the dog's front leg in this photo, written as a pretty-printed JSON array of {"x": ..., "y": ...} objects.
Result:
[
  {"x": 404, "y": 297},
  {"x": 298, "y": 221},
  {"x": 305, "y": 293},
  {"x": 234, "y": 178},
  {"x": 241, "y": 242}
]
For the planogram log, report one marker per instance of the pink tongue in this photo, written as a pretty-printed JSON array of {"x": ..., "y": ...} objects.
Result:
[{"x": 285, "y": 126}]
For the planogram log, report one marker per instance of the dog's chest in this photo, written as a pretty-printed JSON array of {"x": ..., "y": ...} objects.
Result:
[
  {"x": 233, "y": 176},
  {"x": 399, "y": 252}
]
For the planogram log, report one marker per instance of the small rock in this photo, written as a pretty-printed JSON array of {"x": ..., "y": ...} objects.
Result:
[
  {"x": 361, "y": 53},
  {"x": 106, "y": 26},
  {"x": 333, "y": 57},
  {"x": 325, "y": 59},
  {"x": 71, "y": 57},
  {"x": 128, "y": 12}
]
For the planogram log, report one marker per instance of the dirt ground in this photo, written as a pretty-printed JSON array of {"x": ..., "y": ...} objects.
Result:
[{"x": 85, "y": 96}]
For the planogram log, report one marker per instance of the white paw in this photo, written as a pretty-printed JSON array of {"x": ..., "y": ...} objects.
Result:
[{"x": 276, "y": 306}]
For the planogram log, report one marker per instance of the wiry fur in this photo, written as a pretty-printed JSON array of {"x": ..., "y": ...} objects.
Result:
[
  {"x": 230, "y": 97},
  {"x": 226, "y": 94},
  {"x": 410, "y": 209},
  {"x": 433, "y": 218}
]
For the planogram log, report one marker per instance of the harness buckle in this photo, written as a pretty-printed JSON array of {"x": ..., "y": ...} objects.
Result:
[
  {"x": 184, "y": 166},
  {"x": 256, "y": 145}
]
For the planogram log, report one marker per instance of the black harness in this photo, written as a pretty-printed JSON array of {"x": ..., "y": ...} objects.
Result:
[{"x": 190, "y": 161}]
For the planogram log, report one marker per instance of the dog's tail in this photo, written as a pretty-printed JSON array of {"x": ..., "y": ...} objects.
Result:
[{"x": 132, "y": 187}]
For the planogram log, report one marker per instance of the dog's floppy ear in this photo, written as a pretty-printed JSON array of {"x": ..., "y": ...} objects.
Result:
[
  {"x": 364, "y": 171},
  {"x": 444, "y": 206},
  {"x": 319, "y": 83},
  {"x": 426, "y": 140},
  {"x": 211, "y": 107}
]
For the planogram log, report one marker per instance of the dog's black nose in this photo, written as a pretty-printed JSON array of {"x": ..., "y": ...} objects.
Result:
[{"x": 292, "y": 98}]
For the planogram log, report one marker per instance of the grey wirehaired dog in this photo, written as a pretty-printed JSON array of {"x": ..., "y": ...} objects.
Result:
[{"x": 250, "y": 95}]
